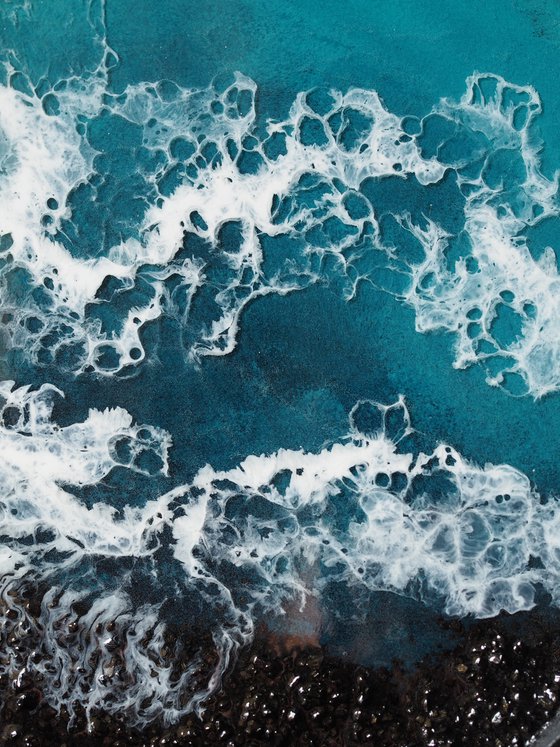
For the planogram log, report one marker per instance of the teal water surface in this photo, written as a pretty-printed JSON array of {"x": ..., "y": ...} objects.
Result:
[{"x": 302, "y": 359}]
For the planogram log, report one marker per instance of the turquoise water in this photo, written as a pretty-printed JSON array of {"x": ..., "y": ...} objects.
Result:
[
  {"x": 300, "y": 360},
  {"x": 412, "y": 54}
]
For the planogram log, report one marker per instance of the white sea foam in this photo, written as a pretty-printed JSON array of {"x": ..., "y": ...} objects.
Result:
[
  {"x": 194, "y": 137},
  {"x": 502, "y": 304},
  {"x": 209, "y": 165},
  {"x": 370, "y": 512}
]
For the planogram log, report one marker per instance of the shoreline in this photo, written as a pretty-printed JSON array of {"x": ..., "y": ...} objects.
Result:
[{"x": 498, "y": 686}]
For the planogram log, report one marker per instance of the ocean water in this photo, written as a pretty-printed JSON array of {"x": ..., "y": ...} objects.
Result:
[{"x": 280, "y": 307}]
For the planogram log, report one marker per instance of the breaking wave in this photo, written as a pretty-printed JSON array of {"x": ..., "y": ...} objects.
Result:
[{"x": 234, "y": 548}]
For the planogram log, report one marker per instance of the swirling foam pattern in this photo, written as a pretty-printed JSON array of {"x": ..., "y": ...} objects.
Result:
[
  {"x": 371, "y": 511},
  {"x": 163, "y": 201}
]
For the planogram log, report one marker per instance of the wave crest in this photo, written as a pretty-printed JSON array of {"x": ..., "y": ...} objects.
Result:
[{"x": 164, "y": 201}]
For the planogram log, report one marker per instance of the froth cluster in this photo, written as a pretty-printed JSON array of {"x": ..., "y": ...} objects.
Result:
[{"x": 164, "y": 201}]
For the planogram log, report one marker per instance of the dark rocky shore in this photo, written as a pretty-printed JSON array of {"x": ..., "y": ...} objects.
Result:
[{"x": 497, "y": 686}]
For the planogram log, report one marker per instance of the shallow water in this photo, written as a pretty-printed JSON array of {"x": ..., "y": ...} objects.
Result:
[{"x": 256, "y": 265}]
